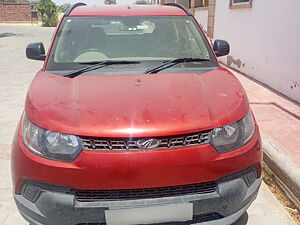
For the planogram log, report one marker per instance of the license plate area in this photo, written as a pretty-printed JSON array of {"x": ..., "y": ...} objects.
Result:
[{"x": 150, "y": 215}]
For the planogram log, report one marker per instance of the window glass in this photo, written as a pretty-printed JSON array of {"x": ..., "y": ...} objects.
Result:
[
  {"x": 87, "y": 39},
  {"x": 240, "y": 1}
]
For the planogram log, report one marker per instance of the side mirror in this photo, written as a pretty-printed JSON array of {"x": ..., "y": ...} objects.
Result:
[
  {"x": 36, "y": 51},
  {"x": 221, "y": 48}
]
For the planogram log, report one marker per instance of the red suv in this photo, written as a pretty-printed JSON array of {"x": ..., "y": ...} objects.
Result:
[{"x": 132, "y": 120}]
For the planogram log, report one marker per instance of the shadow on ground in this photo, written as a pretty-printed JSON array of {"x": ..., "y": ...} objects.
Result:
[
  {"x": 2, "y": 35},
  {"x": 243, "y": 220}
]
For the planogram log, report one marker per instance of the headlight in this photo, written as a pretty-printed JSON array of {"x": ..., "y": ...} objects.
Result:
[
  {"x": 49, "y": 144},
  {"x": 234, "y": 135}
]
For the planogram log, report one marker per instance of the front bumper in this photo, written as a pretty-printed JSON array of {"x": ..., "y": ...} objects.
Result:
[
  {"x": 105, "y": 170},
  {"x": 225, "y": 205}
]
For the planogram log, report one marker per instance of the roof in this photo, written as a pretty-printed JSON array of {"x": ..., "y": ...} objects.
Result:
[{"x": 127, "y": 10}]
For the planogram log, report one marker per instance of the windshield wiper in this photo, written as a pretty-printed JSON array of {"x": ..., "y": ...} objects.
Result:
[
  {"x": 173, "y": 62},
  {"x": 94, "y": 65}
]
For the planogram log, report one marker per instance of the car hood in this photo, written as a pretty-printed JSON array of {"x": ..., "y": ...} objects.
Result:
[{"x": 135, "y": 105}]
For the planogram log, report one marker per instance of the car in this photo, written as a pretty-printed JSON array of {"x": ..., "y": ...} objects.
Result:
[{"x": 133, "y": 120}]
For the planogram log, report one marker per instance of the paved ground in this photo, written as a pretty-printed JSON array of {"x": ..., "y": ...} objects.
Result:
[{"x": 16, "y": 73}]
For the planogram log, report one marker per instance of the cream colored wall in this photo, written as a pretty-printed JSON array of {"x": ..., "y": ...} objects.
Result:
[{"x": 201, "y": 14}]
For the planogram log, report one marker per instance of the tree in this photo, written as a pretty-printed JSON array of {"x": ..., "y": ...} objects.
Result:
[
  {"x": 63, "y": 8},
  {"x": 110, "y": 2},
  {"x": 142, "y": 2},
  {"x": 48, "y": 12},
  {"x": 18, "y": 1}
]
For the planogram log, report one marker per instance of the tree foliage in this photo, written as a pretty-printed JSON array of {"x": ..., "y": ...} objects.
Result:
[
  {"x": 63, "y": 8},
  {"x": 48, "y": 13},
  {"x": 17, "y": 1},
  {"x": 110, "y": 2}
]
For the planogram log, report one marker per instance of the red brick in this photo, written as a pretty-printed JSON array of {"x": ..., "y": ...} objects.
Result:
[{"x": 15, "y": 12}]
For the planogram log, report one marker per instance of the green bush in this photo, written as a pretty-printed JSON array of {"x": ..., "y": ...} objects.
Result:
[{"x": 48, "y": 13}]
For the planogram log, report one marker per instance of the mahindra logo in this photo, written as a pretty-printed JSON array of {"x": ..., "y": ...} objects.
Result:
[{"x": 148, "y": 143}]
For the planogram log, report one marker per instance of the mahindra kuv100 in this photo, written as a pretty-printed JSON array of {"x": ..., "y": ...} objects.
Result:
[{"x": 132, "y": 120}]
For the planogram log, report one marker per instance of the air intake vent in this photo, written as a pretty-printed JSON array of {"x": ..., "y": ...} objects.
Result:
[{"x": 145, "y": 193}]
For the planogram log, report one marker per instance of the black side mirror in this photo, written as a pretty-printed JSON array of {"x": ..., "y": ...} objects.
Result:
[
  {"x": 36, "y": 51},
  {"x": 221, "y": 48}
]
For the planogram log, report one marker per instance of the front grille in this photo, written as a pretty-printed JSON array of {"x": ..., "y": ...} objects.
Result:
[
  {"x": 123, "y": 144},
  {"x": 145, "y": 193},
  {"x": 196, "y": 219}
]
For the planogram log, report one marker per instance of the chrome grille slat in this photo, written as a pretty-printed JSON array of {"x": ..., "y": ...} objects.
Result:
[{"x": 123, "y": 144}]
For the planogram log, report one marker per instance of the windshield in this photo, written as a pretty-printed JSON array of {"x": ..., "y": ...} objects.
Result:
[{"x": 146, "y": 39}]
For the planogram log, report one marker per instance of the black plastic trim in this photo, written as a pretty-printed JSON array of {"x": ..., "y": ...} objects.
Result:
[
  {"x": 144, "y": 193},
  {"x": 69, "y": 10},
  {"x": 250, "y": 174},
  {"x": 179, "y": 6}
]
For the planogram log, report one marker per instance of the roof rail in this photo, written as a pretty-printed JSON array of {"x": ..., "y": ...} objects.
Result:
[
  {"x": 179, "y": 6},
  {"x": 69, "y": 10}
]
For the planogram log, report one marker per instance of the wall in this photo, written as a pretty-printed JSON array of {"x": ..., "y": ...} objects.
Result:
[
  {"x": 15, "y": 12},
  {"x": 264, "y": 41},
  {"x": 166, "y": 1},
  {"x": 201, "y": 15}
]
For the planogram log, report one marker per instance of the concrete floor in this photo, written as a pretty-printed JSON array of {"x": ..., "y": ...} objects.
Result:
[{"x": 16, "y": 72}]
